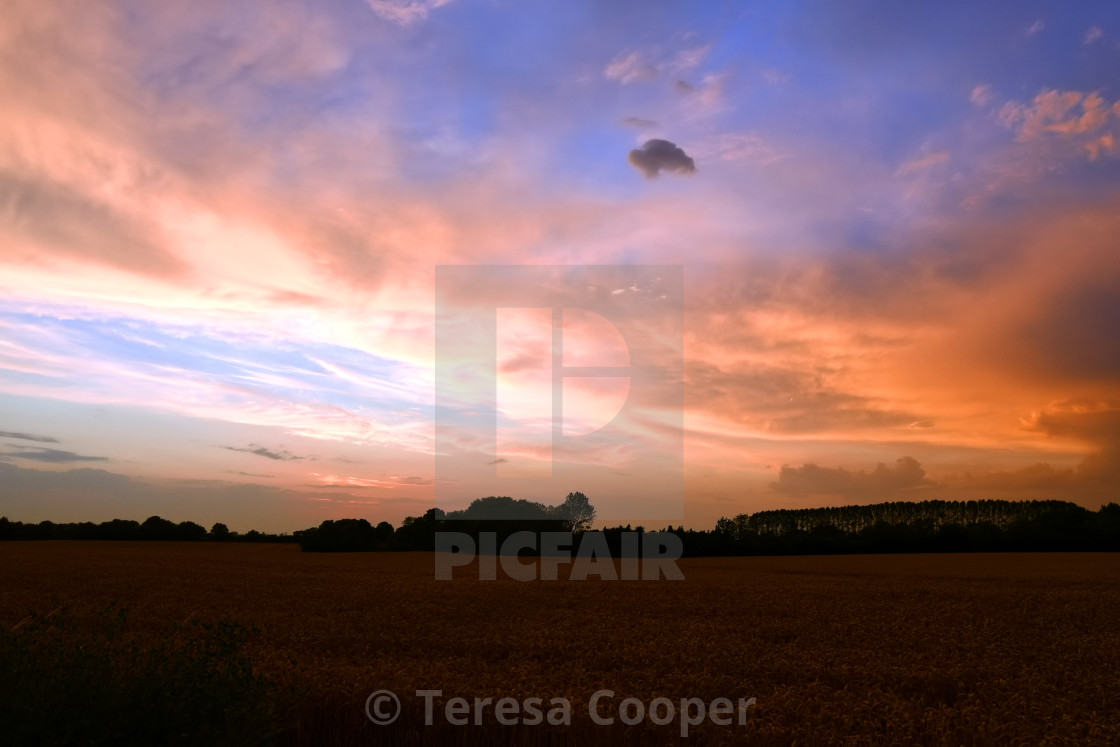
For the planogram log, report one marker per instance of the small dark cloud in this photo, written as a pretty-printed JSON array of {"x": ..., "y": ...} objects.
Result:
[
  {"x": 811, "y": 479},
  {"x": 246, "y": 474},
  {"x": 661, "y": 155},
  {"x": 52, "y": 456},
  {"x": 684, "y": 87},
  {"x": 500, "y": 460},
  {"x": 29, "y": 437},
  {"x": 282, "y": 455},
  {"x": 640, "y": 123}
]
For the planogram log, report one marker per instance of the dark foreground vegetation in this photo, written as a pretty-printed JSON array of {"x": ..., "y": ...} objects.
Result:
[
  {"x": 100, "y": 680},
  {"x": 896, "y": 527},
  {"x": 246, "y": 643}
]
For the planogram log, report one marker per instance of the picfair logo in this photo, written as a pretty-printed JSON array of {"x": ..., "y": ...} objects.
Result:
[{"x": 550, "y": 379}]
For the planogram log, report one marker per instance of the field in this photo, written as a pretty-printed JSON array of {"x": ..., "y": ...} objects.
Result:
[{"x": 913, "y": 649}]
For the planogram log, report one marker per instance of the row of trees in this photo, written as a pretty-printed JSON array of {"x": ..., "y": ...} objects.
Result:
[
  {"x": 926, "y": 526},
  {"x": 502, "y": 514},
  {"x": 154, "y": 528},
  {"x": 855, "y": 519},
  {"x": 499, "y": 514}
]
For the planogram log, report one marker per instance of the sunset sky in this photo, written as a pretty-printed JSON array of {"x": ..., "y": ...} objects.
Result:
[{"x": 898, "y": 227}]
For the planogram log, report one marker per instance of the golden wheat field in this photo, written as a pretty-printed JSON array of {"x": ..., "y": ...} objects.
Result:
[{"x": 914, "y": 649}]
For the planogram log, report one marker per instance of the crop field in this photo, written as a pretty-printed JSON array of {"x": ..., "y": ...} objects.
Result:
[{"x": 952, "y": 649}]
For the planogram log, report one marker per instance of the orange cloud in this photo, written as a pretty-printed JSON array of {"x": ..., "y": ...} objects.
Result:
[{"x": 1055, "y": 111}]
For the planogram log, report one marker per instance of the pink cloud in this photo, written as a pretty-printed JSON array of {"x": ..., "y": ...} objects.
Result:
[
  {"x": 981, "y": 94},
  {"x": 405, "y": 12},
  {"x": 1054, "y": 111}
]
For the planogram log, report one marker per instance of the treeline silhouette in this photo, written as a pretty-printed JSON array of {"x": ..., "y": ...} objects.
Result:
[
  {"x": 154, "y": 528},
  {"x": 903, "y": 526},
  {"x": 893, "y": 527},
  {"x": 501, "y": 515}
]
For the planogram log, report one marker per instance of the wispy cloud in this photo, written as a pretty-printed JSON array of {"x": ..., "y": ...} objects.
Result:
[
  {"x": 981, "y": 94},
  {"x": 405, "y": 12},
  {"x": 635, "y": 66},
  {"x": 282, "y": 455},
  {"x": 51, "y": 456},
  {"x": 388, "y": 482},
  {"x": 638, "y": 122},
  {"x": 923, "y": 162},
  {"x": 629, "y": 67},
  {"x": 29, "y": 437}
]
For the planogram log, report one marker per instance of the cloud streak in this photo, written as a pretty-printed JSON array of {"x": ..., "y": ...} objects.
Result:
[
  {"x": 50, "y": 456},
  {"x": 29, "y": 437},
  {"x": 281, "y": 455}
]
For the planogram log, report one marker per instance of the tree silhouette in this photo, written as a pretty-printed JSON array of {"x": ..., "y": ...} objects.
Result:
[
  {"x": 577, "y": 511},
  {"x": 493, "y": 508},
  {"x": 157, "y": 528},
  {"x": 188, "y": 530}
]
